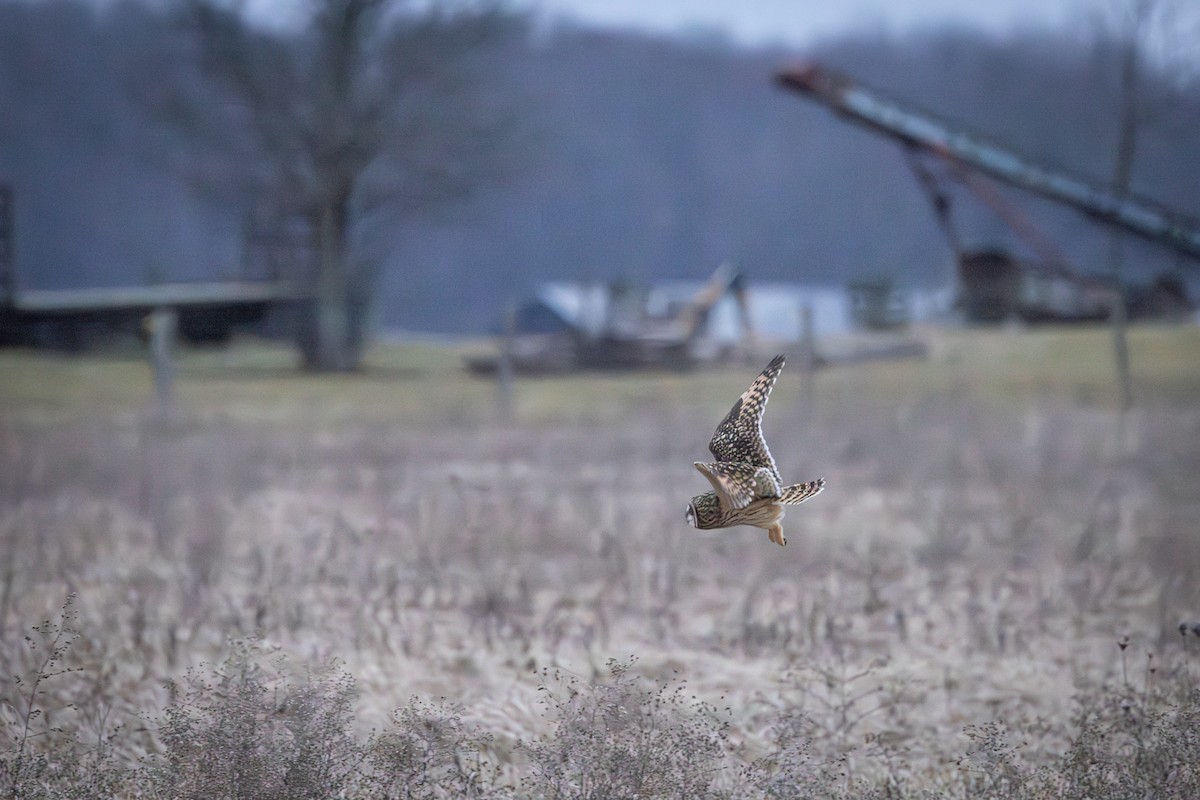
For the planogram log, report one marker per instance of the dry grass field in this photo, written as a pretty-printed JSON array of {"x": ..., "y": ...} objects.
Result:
[{"x": 986, "y": 598}]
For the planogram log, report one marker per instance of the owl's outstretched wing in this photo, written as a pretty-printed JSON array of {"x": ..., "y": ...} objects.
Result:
[
  {"x": 739, "y": 437},
  {"x": 738, "y": 484}
]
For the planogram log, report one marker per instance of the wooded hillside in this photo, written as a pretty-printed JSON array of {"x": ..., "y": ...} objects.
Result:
[{"x": 644, "y": 158}]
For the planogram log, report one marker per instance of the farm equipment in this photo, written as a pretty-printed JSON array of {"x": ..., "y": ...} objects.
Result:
[
  {"x": 993, "y": 284},
  {"x": 565, "y": 327}
]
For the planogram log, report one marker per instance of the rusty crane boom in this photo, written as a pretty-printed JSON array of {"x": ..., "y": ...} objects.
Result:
[{"x": 1140, "y": 216}]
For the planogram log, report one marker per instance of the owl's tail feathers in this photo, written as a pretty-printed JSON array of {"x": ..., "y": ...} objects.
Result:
[{"x": 800, "y": 492}]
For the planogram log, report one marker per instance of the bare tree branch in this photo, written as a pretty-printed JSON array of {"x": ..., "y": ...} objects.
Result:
[{"x": 375, "y": 106}]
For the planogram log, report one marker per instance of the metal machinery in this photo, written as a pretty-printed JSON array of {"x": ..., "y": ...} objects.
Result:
[
  {"x": 614, "y": 326},
  {"x": 995, "y": 286}
]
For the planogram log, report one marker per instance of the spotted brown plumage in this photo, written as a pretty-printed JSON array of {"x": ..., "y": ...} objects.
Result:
[
  {"x": 798, "y": 493},
  {"x": 739, "y": 437},
  {"x": 747, "y": 487},
  {"x": 738, "y": 483}
]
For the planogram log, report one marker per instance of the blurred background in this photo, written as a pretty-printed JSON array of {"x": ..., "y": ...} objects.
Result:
[{"x": 399, "y": 166}]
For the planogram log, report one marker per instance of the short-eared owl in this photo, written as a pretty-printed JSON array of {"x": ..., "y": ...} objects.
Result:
[{"x": 747, "y": 489}]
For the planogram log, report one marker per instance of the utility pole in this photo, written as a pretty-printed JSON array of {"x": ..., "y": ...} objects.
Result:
[{"x": 1122, "y": 170}]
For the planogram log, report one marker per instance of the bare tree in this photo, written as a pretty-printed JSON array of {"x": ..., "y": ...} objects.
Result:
[{"x": 366, "y": 110}]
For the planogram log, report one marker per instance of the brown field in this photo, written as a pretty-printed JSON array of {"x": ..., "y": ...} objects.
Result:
[{"x": 991, "y": 529}]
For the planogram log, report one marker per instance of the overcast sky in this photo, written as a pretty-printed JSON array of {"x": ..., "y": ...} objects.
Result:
[
  {"x": 798, "y": 22},
  {"x": 1172, "y": 37}
]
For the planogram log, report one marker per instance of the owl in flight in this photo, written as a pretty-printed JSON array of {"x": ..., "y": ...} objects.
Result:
[{"x": 747, "y": 489}]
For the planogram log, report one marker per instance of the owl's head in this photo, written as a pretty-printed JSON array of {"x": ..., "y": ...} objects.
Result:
[{"x": 704, "y": 511}]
